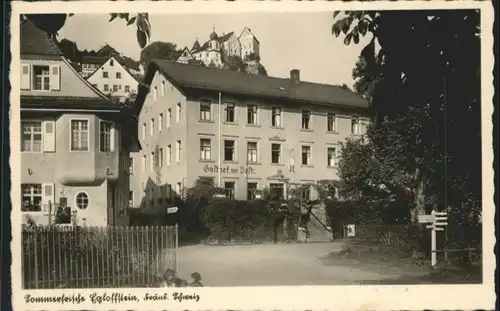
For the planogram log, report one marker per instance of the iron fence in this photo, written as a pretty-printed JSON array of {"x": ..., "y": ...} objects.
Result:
[{"x": 97, "y": 257}]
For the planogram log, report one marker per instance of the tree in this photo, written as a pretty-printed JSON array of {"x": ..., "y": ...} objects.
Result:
[
  {"x": 423, "y": 86},
  {"x": 159, "y": 50}
]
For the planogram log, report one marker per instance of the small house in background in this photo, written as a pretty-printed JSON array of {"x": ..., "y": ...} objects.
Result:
[
  {"x": 114, "y": 79},
  {"x": 75, "y": 141}
]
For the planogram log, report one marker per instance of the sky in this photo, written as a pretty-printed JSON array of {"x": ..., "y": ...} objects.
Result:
[{"x": 288, "y": 41}]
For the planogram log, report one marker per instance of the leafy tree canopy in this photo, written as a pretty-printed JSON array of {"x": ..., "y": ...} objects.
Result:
[{"x": 424, "y": 89}]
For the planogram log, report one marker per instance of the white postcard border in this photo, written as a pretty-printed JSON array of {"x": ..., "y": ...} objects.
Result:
[{"x": 481, "y": 296}]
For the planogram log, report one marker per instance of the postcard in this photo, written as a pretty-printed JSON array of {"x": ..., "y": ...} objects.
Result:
[{"x": 252, "y": 155}]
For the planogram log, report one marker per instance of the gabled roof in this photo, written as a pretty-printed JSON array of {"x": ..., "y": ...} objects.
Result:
[
  {"x": 36, "y": 41},
  {"x": 250, "y": 31},
  {"x": 196, "y": 45},
  {"x": 188, "y": 77},
  {"x": 117, "y": 59},
  {"x": 185, "y": 51},
  {"x": 226, "y": 37},
  {"x": 97, "y": 60}
]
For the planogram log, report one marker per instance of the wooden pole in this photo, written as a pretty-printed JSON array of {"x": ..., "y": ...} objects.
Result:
[{"x": 433, "y": 248}]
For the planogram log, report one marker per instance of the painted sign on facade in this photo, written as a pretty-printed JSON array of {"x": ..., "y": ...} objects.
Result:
[{"x": 229, "y": 170}]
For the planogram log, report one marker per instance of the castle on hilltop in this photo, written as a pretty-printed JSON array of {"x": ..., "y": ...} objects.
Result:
[{"x": 217, "y": 49}]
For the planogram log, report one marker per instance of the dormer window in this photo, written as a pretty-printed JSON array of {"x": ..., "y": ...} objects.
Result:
[{"x": 41, "y": 78}]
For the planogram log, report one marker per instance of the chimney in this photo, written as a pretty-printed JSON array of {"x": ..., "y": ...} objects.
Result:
[{"x": 295, "y": 76}]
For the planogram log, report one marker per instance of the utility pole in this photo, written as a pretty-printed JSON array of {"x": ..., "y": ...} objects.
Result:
[{"x": 445, "y": 164}]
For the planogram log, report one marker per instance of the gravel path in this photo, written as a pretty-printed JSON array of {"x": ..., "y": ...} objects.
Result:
[{"x": 275, "y": 265}]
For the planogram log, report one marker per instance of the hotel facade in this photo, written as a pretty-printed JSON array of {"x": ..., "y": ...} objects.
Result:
[
  {"x": 244, "y": 132},
  {"x": 75, "y": 142}
]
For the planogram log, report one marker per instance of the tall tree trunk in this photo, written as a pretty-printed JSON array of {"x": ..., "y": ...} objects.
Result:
[{"x": 419, "y": 198}]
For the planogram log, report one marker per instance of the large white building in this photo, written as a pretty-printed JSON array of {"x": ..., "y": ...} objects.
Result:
[{"x": 212, "y": 52}]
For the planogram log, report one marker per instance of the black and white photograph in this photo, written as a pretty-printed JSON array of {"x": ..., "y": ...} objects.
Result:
[{"x": 252, "y": 149}]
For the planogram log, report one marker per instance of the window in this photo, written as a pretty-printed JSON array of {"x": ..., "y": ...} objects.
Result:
[
  {"x": 143, "y": 164},
  {"x": 160, "y": 158},
  {"x": 178, "y": 151},
  {"x": 151, "y": 127},
  {"x": 306, "y": 119},
  {"x": 118, "y": 75},
  {"x": 106, "y": 88},
  {"x": 162, "y": 88},
  {"x": 251, "y": 189},
  {"x": 252, "y": 152},
  {"x": 331, "y": 154},
  {"x": 306, "y": 193},
  {"x": 131, "y": 166},
  {"x": 155, "y": 90},
  {"x": 106, "y": 137},
  {"x": 41, "y": 78},
  {"x": 252, "y": 114},
  {"x": 82, "y": 200},
  {"x": 277, "y": 191},
  {"x": 229, "y": 150},
  {"x": 115, "y": 88},
  {"x": 205, "y": 110},
  {"x": 355, "y": 125},
  {"x": 111, "y": 63},
  {"x": 79, "y": 135},
  {"x": 178, "y": 115},
  {"x": 306, "y": 155},
  {"x": 127, "y": 88},
  {"x": 143, "y": 131},
  {"x": 229, "y": 189},
  {"x": 178, "y": 188},
  {"x": 31, "y": 136},
  {"x": 330, "y": 122},
  {"x": 169, "y": 117},
  {"x": 152, "y": 162},
  {"x": 206, "y": 149},
  {"x": 131, "y": 198},
  {"x": 229, "y": 112},
  {"x": 276, "y": 117},
  {"x": 160, "y": 122},
  {"x": 169, "y": 154},
  {"x": 105, "y": 74},
  {"x": 275, "y": 153},
  {"x": 31, "y": 197}
]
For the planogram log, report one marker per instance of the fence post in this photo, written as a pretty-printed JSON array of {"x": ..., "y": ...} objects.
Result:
[
  {"x": 176, "y": 247},
  {"x": 36, "y": 258}
]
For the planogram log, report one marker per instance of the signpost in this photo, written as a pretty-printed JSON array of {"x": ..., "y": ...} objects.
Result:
[
  {"x": 436, "y": 221},
  {"x": 171, "y": 210},
  {"x": 351, "y": 230}
]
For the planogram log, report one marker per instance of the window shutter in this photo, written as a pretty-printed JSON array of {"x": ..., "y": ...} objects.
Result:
[
  {"x": 49, "y": 136},
  {"x": 55, "y": 77},
  {"x": 112, "y": 138},
  {"x": 48, "y": 197},
  {"x": 25, "y": 77}
]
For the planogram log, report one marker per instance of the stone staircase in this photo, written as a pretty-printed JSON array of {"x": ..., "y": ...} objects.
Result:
[{"x": 316, "y": 227}]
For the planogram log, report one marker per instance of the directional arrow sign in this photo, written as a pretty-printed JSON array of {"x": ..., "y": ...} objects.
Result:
[
  {"x": 440, "y": 224},
  {"x": 171, "y": 210},
  {"x": 425, "y": 219},
  {"x": 439, "y": 229},
  {"x": 440, "y": 218},
  {"x": 430, "y": 227},
  {"x": 440, "y": 213}
]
